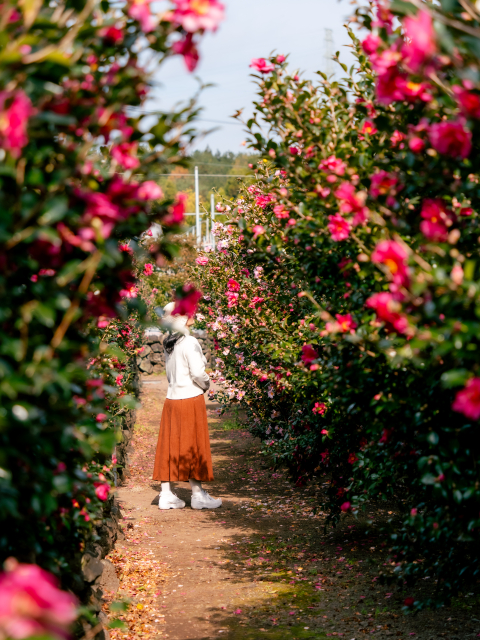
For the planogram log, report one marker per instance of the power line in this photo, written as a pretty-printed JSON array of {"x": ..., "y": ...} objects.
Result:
[{"x": 207, "y": 175}]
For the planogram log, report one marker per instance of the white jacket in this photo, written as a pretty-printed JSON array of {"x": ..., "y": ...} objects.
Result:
[{"x": 185, "y": 368}]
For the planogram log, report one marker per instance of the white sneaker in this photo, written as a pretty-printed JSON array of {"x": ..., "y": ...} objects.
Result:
[
  {"x": 202, "y": 500},
  {"x": 170, "y": 501}
]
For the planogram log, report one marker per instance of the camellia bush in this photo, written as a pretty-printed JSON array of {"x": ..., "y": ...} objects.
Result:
[
  {"x": 76, "y": 189},
  {"x": 344, "y": 293}
]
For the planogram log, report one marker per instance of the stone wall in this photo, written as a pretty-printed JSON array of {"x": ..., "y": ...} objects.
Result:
[
  {"x": 98, "y": 574},
  {"x": 152, "y": 358}
]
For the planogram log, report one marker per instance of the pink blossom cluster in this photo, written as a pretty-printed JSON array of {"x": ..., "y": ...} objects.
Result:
[{"x": 31, "y": 604}]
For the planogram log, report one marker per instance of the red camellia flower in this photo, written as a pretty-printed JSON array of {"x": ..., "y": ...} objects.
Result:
[
  {"x": 309, "y": 354},
  {"x": 14, "y": 120},
  {"x": 369, "y": 127},
  {"x": 408, "y": 602},
  {"x": 346, "y": 323},
  {"x": 101, "y": 490},
  {"x": 339, "y": 227},
  {"x": 352, "y": 458},
  {"x": 436, "y": 220},
  {"x": 233, "y": 285},
  {"x": 467, "y": 401},
  {"x": 346, "y": 506},
  {"x": 176, "y": 213},
  {"x": 111, "y": 35},
  {"x": 451, "y": 138},
  {"x": 198, "y": 15},
  {"x": 31, "y": 604},
  {"x": 388, "y": 310},
  {"x": 468, "y": 102},
  {"x": 394, "y": 256},
  {"x": 260, "y": 64},
  {"x": 188, "y": 49},
  {"x": 352, "y": 201},
  {"x": 186, "y": 305},
  {"x": 319, "y": 408}
]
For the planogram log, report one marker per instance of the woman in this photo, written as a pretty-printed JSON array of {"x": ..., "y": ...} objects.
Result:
[{"x": 183, "y": 448}]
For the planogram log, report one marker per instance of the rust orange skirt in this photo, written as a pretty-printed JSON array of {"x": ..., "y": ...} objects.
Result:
[{"x": 183, "y": 447}]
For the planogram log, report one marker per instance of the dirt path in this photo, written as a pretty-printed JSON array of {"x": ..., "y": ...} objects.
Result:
[{"x": 261, "y": 565}]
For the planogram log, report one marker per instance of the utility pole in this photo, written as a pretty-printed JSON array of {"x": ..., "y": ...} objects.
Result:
[
  {"x": 329, "y": 70},
  {"x": 197, "y": 209},
  {"x": 212, "y": 211}
]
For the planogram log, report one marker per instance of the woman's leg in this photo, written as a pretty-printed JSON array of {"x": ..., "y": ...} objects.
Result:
[
  {"x": 195, "y": 485},
  {"x": 200, "y": 498}
]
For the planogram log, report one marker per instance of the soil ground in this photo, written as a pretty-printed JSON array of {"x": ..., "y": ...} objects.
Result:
[{"x": 260, "y": 566}]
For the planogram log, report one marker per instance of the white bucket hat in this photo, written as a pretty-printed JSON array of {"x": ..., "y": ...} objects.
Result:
[{"x": 174, "y": 323}]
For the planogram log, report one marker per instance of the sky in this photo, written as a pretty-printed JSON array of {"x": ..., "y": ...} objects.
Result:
[{"x": 251, "y": 29}]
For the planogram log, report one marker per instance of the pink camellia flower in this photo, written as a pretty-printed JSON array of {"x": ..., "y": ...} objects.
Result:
[
  {"x": 467, "y": 401},
  {"x": 261, "y": 65},
  {"x": 352, "y": 202},
  {"x": 119, "y": 380},
  {"x": 346, "y": 506},
  {"x": 334, "y": 165},
  {"x": 176, "y": 213},
  {"x": 198, "y": 15},
  {"x": 394, "y": 256},
  {"x": 309, "y": 354},
  {"x": 397, "y": 137},
  {"x": 420, "y": 45},
  {"x": 187, "y": 304},
  {"x": 233, "y": 285},
  {"x": 232, "y": 298},
  {"x": 371, "y": 43},
  {"x": 436, "y": 220},
  {"x": 281, "y": 212},
  {"x": 14, "y": 120},
  {"x": 413, "y": 512},
  {"x": 384, "y": 184},
  {"x": 202, "y": 260},
  {"x": 188, "y": 49},
  {"x": 31, "y": 604},
  {"x": 319, "y": 408},
  {"x": 263, "y": 199},
  {"x": 258, "y": 230},
  {"x": 457, "y": 274},
  {"x": 388, "y": 310},
  {"x": 101, "y": 490},
  {"x": 393, "y": 85},
  {"x": 339, "y": 228},
  {"x": 451, "y": 138},
  {"x": 280, "y": 58},
  {"x": 255, "y": 300},
  {"x": 114, "y": 458},
  {"x": 468, "y": 102},
  {"x": 149, "y": 190},
  {"x": 124, "y": 154},
  {"x": 101, "y": 417},
  {"x": 140, "y": 10},
  {"x": 416, "y": 144},
  {"x": 346, "y": 323},
  {"x": 148, "y": 269}
]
